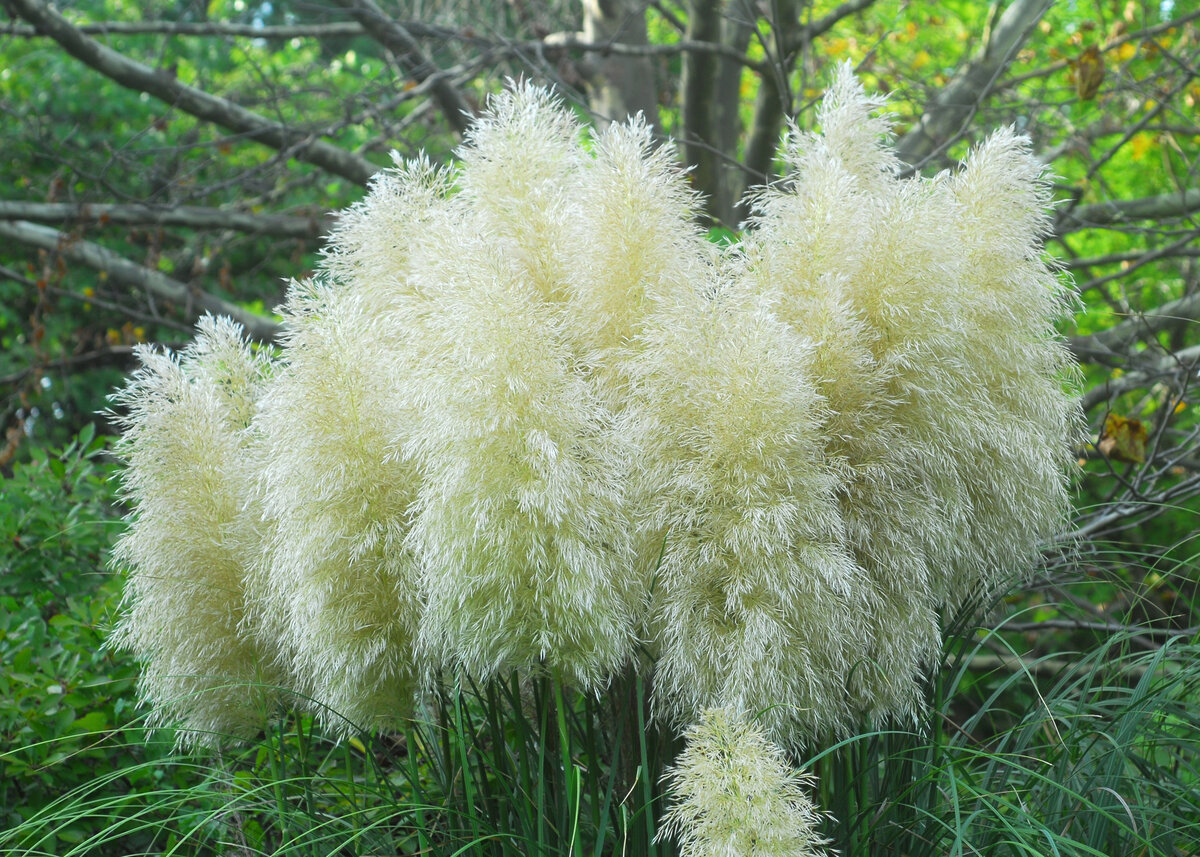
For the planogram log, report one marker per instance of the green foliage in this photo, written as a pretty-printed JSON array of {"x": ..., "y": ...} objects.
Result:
[
  {"x": 1087, "y": 745},
  {"x": 78, "y": 134},
  {"x": 56, "y": 520},
  {"x": 1091, "y": 753},
  {"x": 1078, "y": 753},
  {"x": 507, "y": 770},
  {"x": 61, "y": 692},
  {"x": 61, "y": 696}
]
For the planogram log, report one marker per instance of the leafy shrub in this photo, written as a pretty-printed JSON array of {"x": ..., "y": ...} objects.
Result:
[{"x": 57, "y": 521}]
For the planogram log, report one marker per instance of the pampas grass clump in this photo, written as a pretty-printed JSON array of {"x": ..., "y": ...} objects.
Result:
[{"x": 526, "y": 418}]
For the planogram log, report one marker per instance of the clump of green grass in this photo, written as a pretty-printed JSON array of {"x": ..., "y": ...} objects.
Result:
[{"x": 1093, "y": 752}]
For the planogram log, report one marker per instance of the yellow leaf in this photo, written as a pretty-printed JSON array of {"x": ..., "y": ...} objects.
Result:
[
  {"x": 1141, "y": 144},
  {"x": 1123, "y": 439},
  {"x": 1126, "y": 52},
  {"x": 836, "y": 46},
  {"x": 1089, "y": 73},
  {"x": 921, "y": 60}
]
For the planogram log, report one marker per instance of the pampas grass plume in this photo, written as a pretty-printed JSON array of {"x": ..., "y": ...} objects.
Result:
[
  {"x": 520, "y": 521},
  {"x": 336, "y": 585},
  {"x": 188, "y": 478},
  {"x": 737, "y": 795},
  {"x": 757, "y": 602}
]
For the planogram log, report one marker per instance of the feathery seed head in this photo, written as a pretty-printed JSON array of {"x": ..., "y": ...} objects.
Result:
[
  {"x": 336, "y": 585},
  {"x": 737, "y": 795},
  {"x": 519, "y": 519},
  {"x": 520, "y": 163},
  {"x": 636, "y": 240},
  {"x": 374, "y": 240},
  {"x": 754, "y": 579},
  {"x": 191, "y": 535},
  {"x": 931, "y": 315},
  {"x": 854, "y": 132}
]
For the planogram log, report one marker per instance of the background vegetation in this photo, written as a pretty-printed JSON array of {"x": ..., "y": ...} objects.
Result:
[{"x": 164, "y": 159}]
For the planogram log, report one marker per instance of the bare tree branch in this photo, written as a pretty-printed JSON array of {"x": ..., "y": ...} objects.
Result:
[
  {"x": 115, "y": 355},
  {"x": 698, "y": 110},
  {"x": 1175, "y": 248},
  {"x": 797, "y": 39},
  {"x": 1103, "y": 627},
  {"x": 951, "y": 110},
  {"x": 1122, "y": 211},
  {"x": 554, "y": 41},
  {"x": 572, "y": 41},
  {"x": 1129, "y": 256},
  {"x": 397, "y": 39},
  {"x": 418, "y": 29},
  {"x": 619, "y": 85},
  {"x": 774, "y": 98},
  {"x": 337, "y": 29},
  {"x": 270, "y": 32},
  {"x": 121, "y": 270},
  {"x": 203, "y": 105},
  {"x": 1184, "y": 362},
  {"x": 1117, "y": 338},
  {"x": 193, "y": 217},
  {"x": 127, "y": 311},
  {"x": 1136, "y": 36}
]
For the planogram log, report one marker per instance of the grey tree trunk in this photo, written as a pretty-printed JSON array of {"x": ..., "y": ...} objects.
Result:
[{"x": 619, "y": 86}]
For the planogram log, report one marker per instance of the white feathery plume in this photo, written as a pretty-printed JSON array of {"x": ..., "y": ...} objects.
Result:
[
  {"x": 515, "y": 384},
  {"x": 337, "y": 586},
  {"x": 756, "y": 602},
  {"x": 890, "y": 278},
  {"x": 520, "y": 162},
  {"x": 375, "y": 240},
  {"x": 519, "y": 518},
  {"x": 808, "y": 253},
  {"x": 855, "y": 131},
  {"x": 737, "y": 795},
  {"x": 635, "y": 243},
  {"x": 188, "y": 478},
  {"x": 1017, "y": 374},
  {"x": 520, "y": 521}
]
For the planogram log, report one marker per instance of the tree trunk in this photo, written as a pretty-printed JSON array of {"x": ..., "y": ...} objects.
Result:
[
  {"x": 736, "y": 29},
  {"x": 699, "y": 112},
  {"x": 619, "y": 86}
]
